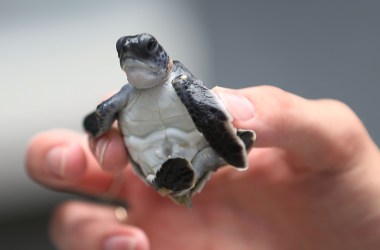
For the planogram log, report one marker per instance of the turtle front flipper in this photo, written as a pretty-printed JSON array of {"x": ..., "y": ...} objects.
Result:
[
  {"x": 174, "y": 176},
  {"x": 213, "y": 120},
  {"x": 100, "y": 121},
  {"x": 91, "y": 124}
]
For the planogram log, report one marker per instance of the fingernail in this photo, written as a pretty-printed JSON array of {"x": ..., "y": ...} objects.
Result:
[
  {"x": 238, "y": 105},
  {"x": 120, "y": 243},
  {"x": 56, "y": 162},
  {"x": 100, "y": 149}
]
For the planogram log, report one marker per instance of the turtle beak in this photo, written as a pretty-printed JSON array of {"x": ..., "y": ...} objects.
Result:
[
  {"x": 120, "y": 46},
  {"x": 123, "y": 45}
]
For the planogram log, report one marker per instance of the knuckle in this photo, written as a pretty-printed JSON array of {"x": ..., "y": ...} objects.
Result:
[
  {"x": 350, "y": 137},
  {"x": 351, "y": 127}
]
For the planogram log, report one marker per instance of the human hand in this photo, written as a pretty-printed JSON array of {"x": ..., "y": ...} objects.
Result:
[{"x": 312, "y": 184}]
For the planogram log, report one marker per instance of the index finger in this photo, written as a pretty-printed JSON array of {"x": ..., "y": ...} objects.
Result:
[
  {"x": 319, "y": 132},
  {"x": 61, "y": 159}
]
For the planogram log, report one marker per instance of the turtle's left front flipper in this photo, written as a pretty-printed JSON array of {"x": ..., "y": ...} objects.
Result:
[
  {"x": 213, "y": 120},
  {"x": 100, "y": 121}
]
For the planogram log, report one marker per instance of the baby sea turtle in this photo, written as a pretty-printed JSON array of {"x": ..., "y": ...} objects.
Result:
[{"x": 176, "y": 130}]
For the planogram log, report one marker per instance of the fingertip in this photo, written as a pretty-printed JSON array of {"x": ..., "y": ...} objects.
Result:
[
  {"x": 30, "y": 156},
  {"x": 267, "y": 110},
  {"x": 116, "y": 157},
  {"x": 132, "y": 238},
  {"x": 238, "y": 105},
  {"x": 66, "y": 162},
  {"x": 56, "y": 157},
  {"x": 79, "y": 225},
  {"x": 110, "y": 151}
]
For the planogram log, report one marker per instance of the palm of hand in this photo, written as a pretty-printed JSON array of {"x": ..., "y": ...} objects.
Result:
[{"x": 236, "y": 210}]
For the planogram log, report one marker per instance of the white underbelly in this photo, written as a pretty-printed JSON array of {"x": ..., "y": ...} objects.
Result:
[
  {"x": 156, "y": 126},
  {"x": 153, "y": 150}
]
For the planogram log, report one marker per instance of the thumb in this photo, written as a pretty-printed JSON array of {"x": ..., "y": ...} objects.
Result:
[
  {"x": 268, "y": 111},
  {"x": 314, "y": 130}
]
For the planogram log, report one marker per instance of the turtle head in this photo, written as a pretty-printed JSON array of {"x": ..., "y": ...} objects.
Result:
[{"x": 144, "y": 60}]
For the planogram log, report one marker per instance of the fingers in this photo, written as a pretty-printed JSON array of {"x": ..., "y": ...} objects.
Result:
[
  {"x": 62, "y": 159},
  {"x": 323, "y": 131},
  {"x": 77, "y": 225},
  {"x": 110, "y": 151}
]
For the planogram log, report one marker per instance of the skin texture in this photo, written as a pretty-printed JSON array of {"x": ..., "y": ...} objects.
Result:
[{"x": 312, "y": 184}]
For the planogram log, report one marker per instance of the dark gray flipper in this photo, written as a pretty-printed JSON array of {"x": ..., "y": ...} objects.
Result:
[
  {"x": 201, "y": 183},
  {"x": 100, "y": 121},
  {"x": 206, "y": 160},
  {"x": 211, "y": 120},
  {"x": 175, "y": 175}
]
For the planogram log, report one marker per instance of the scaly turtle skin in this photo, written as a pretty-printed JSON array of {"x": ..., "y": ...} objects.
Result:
[{"x": 177, "y": 131}]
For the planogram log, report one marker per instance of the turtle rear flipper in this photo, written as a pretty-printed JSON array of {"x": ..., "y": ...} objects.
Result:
[
  {"x": 247, "y": 136},
  {"x": 175, "y": 175}
]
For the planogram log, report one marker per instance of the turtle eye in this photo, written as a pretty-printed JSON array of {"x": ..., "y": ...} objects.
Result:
[{"x": 152, "y": 43}]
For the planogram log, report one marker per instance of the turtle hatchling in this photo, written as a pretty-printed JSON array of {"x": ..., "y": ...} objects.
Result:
[{"x": 177, "y": 132}]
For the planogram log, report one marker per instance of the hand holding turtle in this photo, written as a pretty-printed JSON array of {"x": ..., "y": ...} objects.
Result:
[{"x": 311, "y": 184}]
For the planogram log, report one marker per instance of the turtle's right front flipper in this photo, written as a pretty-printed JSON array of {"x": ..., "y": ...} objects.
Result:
[
  {"x": 100, "y": 121},
  {"x": 212, "y": 119}
]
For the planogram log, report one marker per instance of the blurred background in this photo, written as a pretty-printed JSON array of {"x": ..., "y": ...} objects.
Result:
[{"x": 58, "y": 58}]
